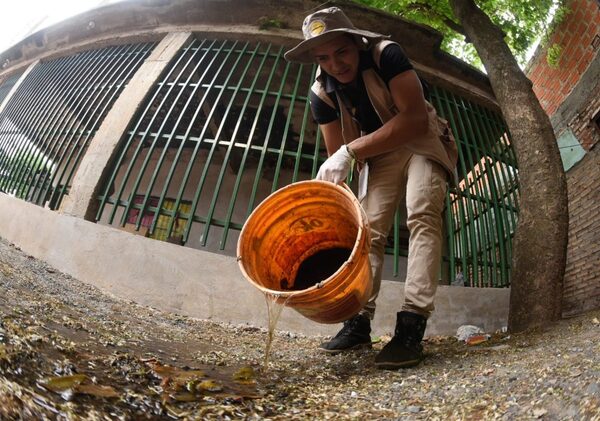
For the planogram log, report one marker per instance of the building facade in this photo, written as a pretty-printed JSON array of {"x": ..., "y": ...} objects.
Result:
[
  {"x": 569, "y": 91},
  {"x": 148, "y": 121}
]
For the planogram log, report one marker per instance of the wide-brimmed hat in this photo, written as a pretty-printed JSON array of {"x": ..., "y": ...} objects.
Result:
[{"x": 323, "y": 26}]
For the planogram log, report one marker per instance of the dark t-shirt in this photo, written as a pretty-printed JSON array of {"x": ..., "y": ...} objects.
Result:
[{"x": 393, "y": 61}]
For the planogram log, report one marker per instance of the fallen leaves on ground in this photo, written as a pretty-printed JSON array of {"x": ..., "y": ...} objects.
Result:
[{"x": 114, "y": 359}]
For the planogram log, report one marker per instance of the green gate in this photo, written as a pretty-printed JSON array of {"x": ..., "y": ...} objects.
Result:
[
  {"x": 48, "y": 122},
  {"x": 229, "y": 123}
]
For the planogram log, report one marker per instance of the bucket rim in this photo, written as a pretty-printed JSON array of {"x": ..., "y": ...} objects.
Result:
[{"x": 362, "y": 231}]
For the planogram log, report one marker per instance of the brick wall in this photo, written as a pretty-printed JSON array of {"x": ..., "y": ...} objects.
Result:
[
  {"x": 576, "y": 37},
  {"x": 570, "y": 94},
  {"x": 582, "y": 277}
]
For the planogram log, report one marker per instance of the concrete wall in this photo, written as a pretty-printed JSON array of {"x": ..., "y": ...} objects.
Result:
[
  {"x": 203, "y": 284},
  {"x": 143, "y": 20},
  {"x": 184, "y": 279}
]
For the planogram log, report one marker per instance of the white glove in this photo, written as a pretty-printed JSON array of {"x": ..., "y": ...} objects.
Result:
[{"x": 336, "y": 168}]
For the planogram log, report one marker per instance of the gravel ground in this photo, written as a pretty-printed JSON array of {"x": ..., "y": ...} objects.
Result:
[{"x": 70, "y": 351}]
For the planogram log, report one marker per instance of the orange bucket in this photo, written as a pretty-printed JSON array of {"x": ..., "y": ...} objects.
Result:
[{"x": 293, "y": 227}]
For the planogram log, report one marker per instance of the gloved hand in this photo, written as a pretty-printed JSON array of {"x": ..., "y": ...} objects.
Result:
[{"x": 336, "y": 168}]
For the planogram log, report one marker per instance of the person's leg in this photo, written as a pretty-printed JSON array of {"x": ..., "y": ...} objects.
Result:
[
  {"x": 385, "y": 189},
  {"x": 425, "y": 194}
]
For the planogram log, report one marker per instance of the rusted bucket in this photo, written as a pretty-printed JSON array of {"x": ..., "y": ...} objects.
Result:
[{"x": 296, "y": 225}]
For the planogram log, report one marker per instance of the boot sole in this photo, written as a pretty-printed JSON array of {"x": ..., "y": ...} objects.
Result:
[
  {"x": 352, "y": 348},
  {"x": 398, "y": 365}
]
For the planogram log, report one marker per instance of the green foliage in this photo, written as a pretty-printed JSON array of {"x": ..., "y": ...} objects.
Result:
[
  {"x": 555, "y": 50},
  {"x": 553, "y": 55},
  {"x": 522, "y": 21}
]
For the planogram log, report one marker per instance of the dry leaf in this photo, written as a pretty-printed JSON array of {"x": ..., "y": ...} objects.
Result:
[
  {"x": 62, "y": 383},
  {"x": 97, "y": 390}
]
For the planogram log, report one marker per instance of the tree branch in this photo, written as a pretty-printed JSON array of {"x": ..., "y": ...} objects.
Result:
[{"x": 428, "y": 9}]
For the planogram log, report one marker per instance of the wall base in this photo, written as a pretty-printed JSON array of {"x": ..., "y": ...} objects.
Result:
[{"x": 202, "y": 284}]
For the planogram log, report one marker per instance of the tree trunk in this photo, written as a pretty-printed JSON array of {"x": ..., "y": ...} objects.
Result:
[{"x": 540, "y": 242}]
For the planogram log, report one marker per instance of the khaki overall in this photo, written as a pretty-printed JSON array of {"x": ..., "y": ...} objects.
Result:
[{"x": 418, "y": 170}]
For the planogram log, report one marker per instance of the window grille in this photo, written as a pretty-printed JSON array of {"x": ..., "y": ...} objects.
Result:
[
  {"x": 229, "y": 122},
  {"x": 47, "y": 124},
  {"x": 7, "y": 85}
]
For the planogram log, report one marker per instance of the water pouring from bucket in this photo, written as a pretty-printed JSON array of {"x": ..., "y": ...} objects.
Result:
[{"x": 307, "y": 246}]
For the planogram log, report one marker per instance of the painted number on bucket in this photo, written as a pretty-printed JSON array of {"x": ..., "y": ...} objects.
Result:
[{"x": 311, "y": 224}]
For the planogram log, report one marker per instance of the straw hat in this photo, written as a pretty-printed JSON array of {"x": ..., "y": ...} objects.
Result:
[{"x": 323, "y": 26}]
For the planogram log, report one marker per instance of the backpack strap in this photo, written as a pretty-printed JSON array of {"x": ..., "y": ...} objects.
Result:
[{"x": 319, "y": 90}]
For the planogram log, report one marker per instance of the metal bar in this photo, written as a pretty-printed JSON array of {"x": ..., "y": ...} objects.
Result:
[
  {"x": 184, "y": 138},
  {"x": 502, "y": 133},
  {"x": 200, "y": 140},
  {"x": 124, "y": 147},
  {"x": 248, "y": 143},
  {"x": 56, "y": 112},
  {"x": 211, "y": 152},
  {"x": 8, "y": 112},
  {"x": 136, "y": 153},
  {"x": 450, "y": 237},
  {"x": 213, "y": 145},
  {"x": 44, "y": 107},
  {"x": 129, "y": 66},
  {"x": 215, "y": 197},
  {"x": 460, "y": 203},
  {"x": 471, "y": 233},
  {"x": 500, "y": 214},
  {"x": 265, "y": 147},
  {"x": 242, "y": 90},
  {"x": 83, "y": 104},
  {"x": 18, "y": 104},
  {"x": 510, "y": 190},
  {"x": 165, "y": 119},
  {"x": 51, "y": 109},
  {"x": 481, "y": 218},
  {"x": 274, "y": 184},
  {"x": 166, "y": 101},
  {"x": 56, "y": 148},
  {"x": 8, "y": 84},
  {"x": 476, "y": 233},
  {"x": 305, "y": 119},
  {"x": 480, "y": 190},
  {"x": 500, "y": 198}
]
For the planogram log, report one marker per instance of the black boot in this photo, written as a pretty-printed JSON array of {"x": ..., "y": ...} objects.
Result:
[
  {"x": 356, "y": 333},
  {"x": 405, "y": 349}
]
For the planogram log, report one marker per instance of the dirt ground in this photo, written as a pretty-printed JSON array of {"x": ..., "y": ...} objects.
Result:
[{"x": 70, "y": 351}]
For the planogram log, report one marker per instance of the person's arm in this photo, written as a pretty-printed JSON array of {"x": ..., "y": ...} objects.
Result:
[
  {"x": 410, "y": 122},
  {"x": 336, "y": 167},
  {"x": 332, "y": 134}
]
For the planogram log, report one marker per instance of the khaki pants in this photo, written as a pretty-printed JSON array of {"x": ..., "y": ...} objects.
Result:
[{"x": 391, "y": 177}]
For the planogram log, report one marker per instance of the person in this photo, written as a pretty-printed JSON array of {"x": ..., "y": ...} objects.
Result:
[{"x": 370, "y": 107}]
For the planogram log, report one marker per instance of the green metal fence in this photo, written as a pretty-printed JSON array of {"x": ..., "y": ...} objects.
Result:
[
  {"x": 226, "y": 125},
  {"x": 229, "y": 122},
  {"x": 482, "y": 212},
  {"x": 47, "y": 124}
]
